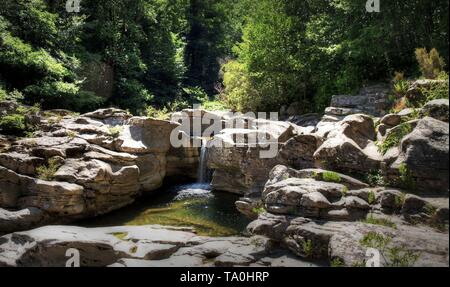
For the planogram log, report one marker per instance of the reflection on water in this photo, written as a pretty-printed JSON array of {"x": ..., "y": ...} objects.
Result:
[{"x": 193, "y": 205}]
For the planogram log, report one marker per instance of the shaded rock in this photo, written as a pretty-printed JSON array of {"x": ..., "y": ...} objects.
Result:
[
  {"x": 356, "y": 202},
  {"x": 307, "y": 120},
  {"x": 11, "y": 221},
  {"x": 391, "y": 199},
  {"x": 298, "y": 152},
  {"x": 437, "y": 109},
  {"x": 391, "y": 120}
]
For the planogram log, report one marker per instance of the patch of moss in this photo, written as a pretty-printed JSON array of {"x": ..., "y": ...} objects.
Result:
[
  {"x": 259, "y": 210},
  {"x": 120, "y": 235},
  {"x": 330, "y": 176}
]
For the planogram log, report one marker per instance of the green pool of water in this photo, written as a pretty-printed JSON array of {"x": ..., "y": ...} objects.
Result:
[{"x": 194, "y": 205}]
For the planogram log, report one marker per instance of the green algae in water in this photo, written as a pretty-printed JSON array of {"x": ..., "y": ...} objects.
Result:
[
  {"x": 184, "y": 213},
  {"x": 214, "y": 214}
]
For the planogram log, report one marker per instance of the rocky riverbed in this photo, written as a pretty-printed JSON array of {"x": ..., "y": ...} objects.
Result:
[{"x": 354, "y": 179}]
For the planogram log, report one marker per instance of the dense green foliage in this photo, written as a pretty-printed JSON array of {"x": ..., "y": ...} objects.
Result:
[
  {"x": 144, "y": 55},
  {"x": 305, "y": 51}
]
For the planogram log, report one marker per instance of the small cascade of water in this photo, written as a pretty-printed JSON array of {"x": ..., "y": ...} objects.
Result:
[{"x": 203, "y": 175}]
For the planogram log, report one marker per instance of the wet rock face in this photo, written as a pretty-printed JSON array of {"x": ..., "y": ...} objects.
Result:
[
  {"x": 83, "y": 166},
  {"x": 138, "y": 246}
]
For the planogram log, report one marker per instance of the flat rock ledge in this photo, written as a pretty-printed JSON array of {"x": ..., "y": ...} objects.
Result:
[{"x": 140, "y": 246}]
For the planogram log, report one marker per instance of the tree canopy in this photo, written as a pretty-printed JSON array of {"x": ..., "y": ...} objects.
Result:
[{"x": 257, "y": 55}]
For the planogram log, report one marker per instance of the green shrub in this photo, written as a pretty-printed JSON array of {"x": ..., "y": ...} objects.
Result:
[
  {"x": 330, "y": 176},
  {"x": 63, "y": 95},
  {"x": 215, "y": 105},
  {"x": 394, "y": 137},
  {"x": 431, "y": 64},
  {"x": 308, "y": 248},
  {"x": 114, "y": 132},
  {"x": 47, "y": 172},
  {"x": 13, "y": 124},
  {"x": 196, "y": 94},
  {"x": 375, "y": 178},
  {"x": 160, "y": 114}
]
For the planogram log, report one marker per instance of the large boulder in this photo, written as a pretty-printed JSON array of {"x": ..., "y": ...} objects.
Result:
[
  {"x": 350, "y": 146},
  {"x": 314, "y": 193},
  {"x": 242, "y": 158},
  {"x": 424, "y": 156},
  {"x": 11, "y": 221},
  {"x": 239, "y": 169}
]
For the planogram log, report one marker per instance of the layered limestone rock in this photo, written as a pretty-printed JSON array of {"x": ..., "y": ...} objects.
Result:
[
  {"x": 347, "y": 243},
  {"x": 80, "y": 166}
]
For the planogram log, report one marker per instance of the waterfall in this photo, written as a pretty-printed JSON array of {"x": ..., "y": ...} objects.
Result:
[{"x": 202, "y": 167}]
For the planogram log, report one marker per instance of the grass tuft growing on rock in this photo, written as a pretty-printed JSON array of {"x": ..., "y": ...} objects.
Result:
[
  {"x": 47, "y": 172},
  {"x": 379, "y": 221},
  {"x": 394, "y": 138},
  {"x": 393, "y": 256},
  {"x": 114, "y": 132}
]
